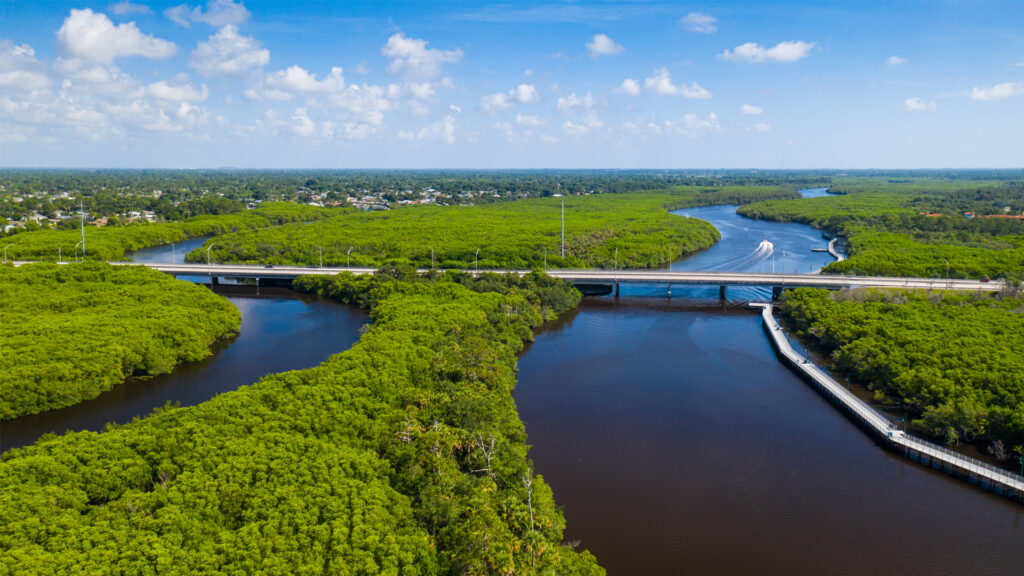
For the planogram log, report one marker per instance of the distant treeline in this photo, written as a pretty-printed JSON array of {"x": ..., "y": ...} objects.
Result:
[
  {"x": 113, "y": 242},
  {"x": 954, "y": 361},
  {"x": 403, "y": 455},
  {"x": 69, "y": 332}
]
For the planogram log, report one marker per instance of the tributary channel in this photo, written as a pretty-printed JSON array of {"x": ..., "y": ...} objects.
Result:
[{"x": 281, "y": 330}]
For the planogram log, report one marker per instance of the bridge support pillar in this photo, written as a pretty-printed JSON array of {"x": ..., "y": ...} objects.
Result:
[
  {"x": 776, "y": 292},
  {"x": 214, "y": 280},
  {"x": 721, "y": 292},
  {"x": 616, "y": 289},
  {"x": 669, "y": 290}
]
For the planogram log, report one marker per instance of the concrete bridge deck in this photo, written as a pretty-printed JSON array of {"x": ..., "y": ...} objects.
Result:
[{"x": 598, "y": 276}]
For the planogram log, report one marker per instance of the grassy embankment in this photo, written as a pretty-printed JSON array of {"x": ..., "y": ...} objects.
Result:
[
  {"x": 403, "y": 455},
  {"x": 68, "y": 333},
  {"x": 113, "y": 242},
  {"x": 888, "y": 236},
  {"x": 522, "y": 234}
]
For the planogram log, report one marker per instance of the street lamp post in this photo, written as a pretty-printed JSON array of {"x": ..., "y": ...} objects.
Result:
[
  {"x": 348, "y": 257},
  {"x": 947, "y": 272},
  {"x": 321, "y": 255},
  {"x": 476, "y": 260},
  {"x": 545, "y": 258},
  {"x": 76, "y": 250},
  {"x": 5, "y": 252},
  {"x": 60, "y": 257},
  {"x": 431, "y": 257},
  {"x": 208, "y": 261}
]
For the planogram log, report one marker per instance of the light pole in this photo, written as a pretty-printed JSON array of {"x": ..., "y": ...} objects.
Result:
[
  {"x": 210, "y": 247},
  {"x": 76, "y": 250},
  {"x": 476, "y": 260},
  {"x": 431, "y": 257},
  {"x": 616, "y": 259},
  {"x": 5, "y": 252},
  {"x": 321, "y": 255},
  {"x": 545, "y": 258},
  {"x": 348, "y": 257},
  {"x": 563, "y": 228},
  {"x": 60, "y": 257},
  {"x": 947, "y": 273}
]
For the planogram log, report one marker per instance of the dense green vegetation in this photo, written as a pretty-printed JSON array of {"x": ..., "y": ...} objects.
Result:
[
  {"x": 402, "y": 456},
  {"x": 955, "y": 361},
  {"x": 916, "y": 228},
  {"x": 113, "y": 242},
  {"x": 523, "y": 234},
  {"x": 70, "y": 332}
]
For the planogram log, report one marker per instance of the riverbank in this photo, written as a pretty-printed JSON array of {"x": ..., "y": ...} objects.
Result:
[{"x": 981, "y": 474}]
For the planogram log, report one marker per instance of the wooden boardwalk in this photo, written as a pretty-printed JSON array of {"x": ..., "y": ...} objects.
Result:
[{"x": 975, "y": 471}]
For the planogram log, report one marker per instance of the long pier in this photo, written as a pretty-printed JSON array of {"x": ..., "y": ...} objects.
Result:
[
  {"x": 833, "y": 251},
  {"x": 982, "y": 474},
  {"x": 612, "y": 277}
]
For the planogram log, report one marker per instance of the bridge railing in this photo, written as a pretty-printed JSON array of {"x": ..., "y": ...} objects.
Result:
[{"x": 964, "y": 460}]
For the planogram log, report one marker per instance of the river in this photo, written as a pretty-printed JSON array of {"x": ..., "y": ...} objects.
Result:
[
  {"x": 676, "y": 442},
  {"x": 671, "y": 435},
  {"x": 281, "y": 330}
]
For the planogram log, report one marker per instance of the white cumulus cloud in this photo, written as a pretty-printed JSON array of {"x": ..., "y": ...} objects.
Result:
[
  {"x": 19, "y": 69},
  {"x": 629, "y": 86},
  {"x": 895, "y": 61},
  {"x": 218, "y": 13},
  {"x": 602, "y": 45},
  {"x": 523, "y": 94},
  {"x": 178, "y": 91},
  {"x": 750, "y": 110},
  {"x": 228, "y": 53},
  {"x": 703, "y": 23},
  {"x": 525, "y": 120},
  {"x": 661, "y": 83},
  {"x": 572, "y": 101},
  {"x": 763, "y": 127},
  {"x": 412, "y": 58},
  {"x": 919, "y": 105},
  {"x": 590, "y": 122},
  {"x": 298, "y": 79},
  {"x": 87, "y": 35},
  {"x": 998, "y": 92},
  {"x": 781, "y": 52}
]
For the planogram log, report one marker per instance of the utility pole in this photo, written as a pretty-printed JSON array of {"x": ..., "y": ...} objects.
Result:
[
  {"x": 563, "y": 227},
  {"x": 82, "y": 210}
]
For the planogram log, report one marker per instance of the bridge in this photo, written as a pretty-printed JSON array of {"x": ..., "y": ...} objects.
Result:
[{"x": 613, "y": 277}]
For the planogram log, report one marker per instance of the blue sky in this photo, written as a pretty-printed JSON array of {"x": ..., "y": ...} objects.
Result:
[{"x": 512, "y": 85}]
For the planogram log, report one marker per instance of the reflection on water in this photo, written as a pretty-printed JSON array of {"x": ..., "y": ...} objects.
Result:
[{"x": 676, "y": 442}]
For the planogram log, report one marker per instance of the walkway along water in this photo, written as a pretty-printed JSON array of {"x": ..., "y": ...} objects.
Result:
[{"x": 974, "y": 471}]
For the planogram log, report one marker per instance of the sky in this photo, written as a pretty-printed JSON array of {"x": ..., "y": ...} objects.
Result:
[{"x": 623, "y": 84}]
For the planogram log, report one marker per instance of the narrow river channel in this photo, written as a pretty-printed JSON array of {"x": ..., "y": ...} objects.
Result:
[
  {"x": 281, "y": 330},
  {"x": 677, "y": 443}
]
